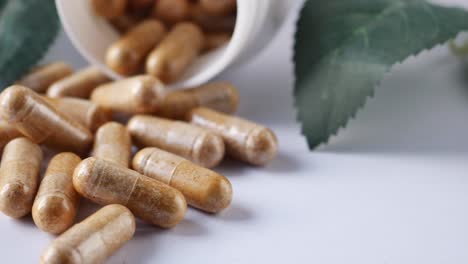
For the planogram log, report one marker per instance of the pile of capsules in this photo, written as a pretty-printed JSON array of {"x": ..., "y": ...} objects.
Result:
[
  {"x": 180, "y": 135},
  {"x": 164, "y": 37}
]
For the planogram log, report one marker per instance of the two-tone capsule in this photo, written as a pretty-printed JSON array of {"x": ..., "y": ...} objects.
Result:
[
  {"x": 113, "y": 143},
  {"x": 19, "y": 177},
  {"x": 220, "y": 96},
  {"x": 83, "y": 111},
  {"x": 80, "y": 84},
  {"x": 169, "y": 60},
  {"x": 40, "y": 78},
  {"x": 94, "y": 239},
  {"x": 56, "y": 202},
  {"x": 203, "y": 188},
  {"x": 106, "y": 182},
  {"x": 244, "y": 140},
  {"x": 42, "y": 123},
  {"x": 136, "y": 95},
  {"x": 128, "y": 54},
  {"x": 194, "y": 143}
]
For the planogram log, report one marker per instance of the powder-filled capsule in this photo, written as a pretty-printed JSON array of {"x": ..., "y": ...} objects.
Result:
[
  {"x": 126, "y": 22},
  {"x": 109, "y": 8},
  {"x": 172, "y": 11},
  {"x": 141, "y": 5},
  {"x": 56, "y": 202},
  {"x": 94, "y": 239},
  {"x": 7, "y": 133},
  {"x": 19, "y": 177},
  {"x": 41, "y": 77},
  {"x": 41, "y": 122},
  {"x": 83, "y": 111},
  {"x": 244, "y": 140},
  {"x": 113, "y": 143},
  {"x": 203, "y": 188},
  {"x": 220, "y": 96},
  {"x": 213, "y": 23},
  {"x": 134, "y": 95},
  {"x": 191, "y": 142},
  {"x": 80, "y": 84},
  {"x": 176, "y": 52},
  {"x": 127, "y": 55},
  {"x": 105, "y": 182},
  {"x": 219, "y": 7},
  {"x": 216, "y": 40}
]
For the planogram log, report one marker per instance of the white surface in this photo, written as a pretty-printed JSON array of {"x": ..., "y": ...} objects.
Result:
[
  {"x": 257, "y": 22},
  {"x": 391, "y": 189}
]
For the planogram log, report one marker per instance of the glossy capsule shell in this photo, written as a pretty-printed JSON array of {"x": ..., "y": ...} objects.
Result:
[
  {"x": 203, "y": 188},
  {"x": 134, "y": 95},
  {"x": 19, "y": 177},
  {"x": 40, "y": 78},
  {"x": 113, "y": 143},
  {"x": 219, "y": 7},
  {"x": 220, "y": 96},
  {"x": 244, "y": 140},
  {"x": 105, "y": 182},
  {"x": 172, "y": 11},
  {"x": 216, "y": 40},
  {"x": 56, "y": 202},
  {"x": 85, "y": 112},
  {"x": 7, "y": 133},
  {"x": 109, "y": 8},
  {"x": 80, "y": 84},
  {"x": 94, "y": 239},
  {"x": 169, "y": 60},
  {"x": 127, "y": 55},
  {"x": 41, "y": 122},
  {"x": 191, "y": 142}
]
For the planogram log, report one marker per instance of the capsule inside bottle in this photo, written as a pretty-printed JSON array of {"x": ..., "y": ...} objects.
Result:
[
  {"x": 94, "y": 239},
  {"x": 204, "y": 189}
]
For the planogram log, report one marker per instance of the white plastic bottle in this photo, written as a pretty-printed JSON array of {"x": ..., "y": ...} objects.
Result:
[{"x": 257, "y": 23}]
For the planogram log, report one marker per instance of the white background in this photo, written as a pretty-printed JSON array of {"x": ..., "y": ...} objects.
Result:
[{"x": 392, "y": 188}]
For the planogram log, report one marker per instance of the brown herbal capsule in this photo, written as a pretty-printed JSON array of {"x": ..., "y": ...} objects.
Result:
[
  {"x": 212, "y": 23},
  {"x": 172, "y": 11},
  {"x": 19, "y": 177},
  {"x": 105, "y": 182},
  {"x": 127, "y": 55},
  {"x": 42, "y": 123},
  {"x": 221, "y": 96},
  {"x": 244, "y": 140},
  {"x": 7, "y": 133},
  {"x": 141, "y": 5},
  {"x": 113, "y": 143},
  {"x": 94, "y": 239},
  {"x": 134, "y": 95},
  {"x": 126, "y": 22},
  {"x": 56, "y": 202},
  {"x": 176, "y": 53},
  {"x": 85, "y": 112},
  {"x": 194, "y": 143},
  {"x": 81, "y": 84},
  {"x": 219, "y": 7},
  {"x": 203, "y": 188},
  {"x": 40, "y": 78},
  {"x": 109, "y": 8},
  {"x": 216, "y": 40}
]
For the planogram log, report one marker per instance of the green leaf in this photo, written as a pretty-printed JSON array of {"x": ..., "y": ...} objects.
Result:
[
  {"x": 343, "y": 49},
  {"x": 27, "y": 28}
]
